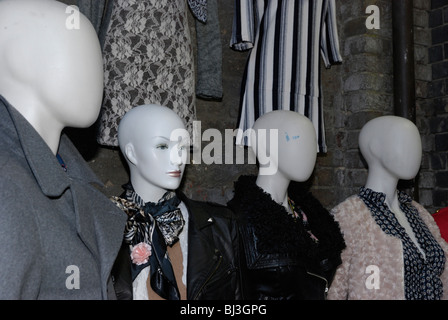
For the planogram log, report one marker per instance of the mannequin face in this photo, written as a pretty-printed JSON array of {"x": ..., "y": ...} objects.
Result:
[
  {"x": 286, "y": 144},
  {"x": 393, "y": 145},
  {"x": 297, "y": 151},
  {"x": 403, "y": 152},
  {"x": 72, "y": 87},
  {"x": 156, "y": 144},
  {"x": 161, "y": 159}
]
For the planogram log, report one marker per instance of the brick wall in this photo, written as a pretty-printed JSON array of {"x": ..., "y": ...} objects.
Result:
[
  {"x": 356, "y": 91},
  {"x": 437, "y": 96}
]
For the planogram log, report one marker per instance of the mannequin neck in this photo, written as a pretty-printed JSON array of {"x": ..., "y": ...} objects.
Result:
[
  {"x": 51, "y": 136},
  {"x": 276, "y": 185},
  {"x": 50, "y": 133},
  {"x": 380, "y": 180},
  {"x": 148, "y": 192},
  {"x": 36, "y": 113}
]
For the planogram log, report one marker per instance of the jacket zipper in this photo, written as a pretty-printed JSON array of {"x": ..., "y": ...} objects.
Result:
[
  {"x": 320, "y": 277},
  {"x": 209, "y": 277}
]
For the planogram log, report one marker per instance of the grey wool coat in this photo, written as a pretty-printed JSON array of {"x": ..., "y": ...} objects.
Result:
[{"x": 59, "y": 235}]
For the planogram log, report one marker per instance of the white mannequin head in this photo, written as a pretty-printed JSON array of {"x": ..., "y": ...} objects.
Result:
[
  {"x": 155, "y": 143},
  {"x": 286, "y": 147},
  {"x": 392, "y": 145},
  {"x": 51, "y": 73},
  {"x": 285, "y": 143}
]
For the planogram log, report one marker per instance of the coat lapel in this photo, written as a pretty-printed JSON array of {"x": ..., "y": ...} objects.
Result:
[
  {"x": 99, "y": 223},
  {"x": 201, "y": 247}
]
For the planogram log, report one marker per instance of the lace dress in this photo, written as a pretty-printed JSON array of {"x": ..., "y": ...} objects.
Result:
[{"x": 148, "y": 58}]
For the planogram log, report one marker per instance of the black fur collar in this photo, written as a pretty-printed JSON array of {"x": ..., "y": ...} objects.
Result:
[{"x": 276, "y": 230}]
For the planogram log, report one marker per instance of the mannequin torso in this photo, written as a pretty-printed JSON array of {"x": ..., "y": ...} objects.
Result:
[
  {"x": 155, "y": 143},
  {"x": 392, "y": 148},
  {"x": 388, "y": 235},
  {"x": 285, "y": 233},
  {"x": 51, "y": 77},
  {"x": 156, "y": 158}
]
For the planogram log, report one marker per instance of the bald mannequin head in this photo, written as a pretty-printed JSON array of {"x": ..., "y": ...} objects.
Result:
[
  {"x": 51, "y": 73},
  {"x": 286, "y": 148},
  {"x": 392, "y": 144},
  {"x": 155, "y": 143},
  {"x": 285, "y": 141},
  {"x": 392, "y": 147}
]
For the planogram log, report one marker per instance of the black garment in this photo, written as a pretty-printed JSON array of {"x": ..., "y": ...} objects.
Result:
[
  {"x": 279, "y": 259},
  {"x": 212, "y": 269}
]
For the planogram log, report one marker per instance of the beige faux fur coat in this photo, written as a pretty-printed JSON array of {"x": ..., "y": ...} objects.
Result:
[{"x": 372, "y": 263}]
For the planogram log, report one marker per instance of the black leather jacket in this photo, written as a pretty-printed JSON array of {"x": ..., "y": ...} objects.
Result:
[
  {"x": 278, "y": 258},
  {"x": 281, "y": 276},
  {"x": 212, "y": 269}
]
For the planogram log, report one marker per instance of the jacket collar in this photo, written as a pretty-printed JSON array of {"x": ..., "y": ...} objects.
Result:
[
  {"x": 274, "y": 228},
  {"x": 200, "y": 218},
  {"x": 45, "y": 167},
  {"x": 379, "y": 198}
]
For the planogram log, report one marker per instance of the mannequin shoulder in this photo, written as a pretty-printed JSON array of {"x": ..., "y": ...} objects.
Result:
[
  {"x": 214, "y": 209},
  {"x": 14, "y": 168},
  {"x": 424, "y": 214},
  {"x": 203, "y": 209},
  {"x": 421, "y": 210},
  {"x": 351, "y": 201},
  {"x": 351, "y": 210},
  {"x": 18, "y": 210}
]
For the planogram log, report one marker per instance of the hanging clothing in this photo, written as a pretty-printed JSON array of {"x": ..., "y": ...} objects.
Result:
[
  {"x": 99, "y": 12},
  {"x": 283, "y": 67},
  {"x": 380, "y": 261},
  {"x": 209, "y": 55},
  {"x": 199, "y": 9},
  {"x": 148, "y": 58}
]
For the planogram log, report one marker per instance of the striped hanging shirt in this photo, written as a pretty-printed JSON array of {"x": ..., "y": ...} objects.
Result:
[{"x": 282, "y": 71}]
